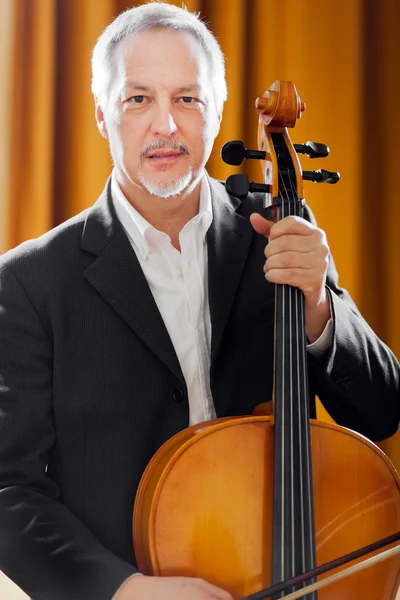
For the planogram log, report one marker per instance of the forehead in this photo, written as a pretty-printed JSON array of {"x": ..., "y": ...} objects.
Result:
[{"x": 160, "y": 55}]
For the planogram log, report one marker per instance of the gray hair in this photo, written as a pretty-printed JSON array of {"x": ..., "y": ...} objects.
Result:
[{"x": 148, "y": 16}]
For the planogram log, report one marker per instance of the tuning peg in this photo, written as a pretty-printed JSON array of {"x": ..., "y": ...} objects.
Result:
[
  {"x": 312, "y": 149},
  {"x": 239, "y": 186},
  {"x": 321, "y": 176},
  {"x": 234, "y": 152}
]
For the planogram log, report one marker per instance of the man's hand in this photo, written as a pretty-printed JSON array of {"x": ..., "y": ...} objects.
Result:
[
  {"x": 297, "y": 254},
  {"x": 141, "y": 587}
]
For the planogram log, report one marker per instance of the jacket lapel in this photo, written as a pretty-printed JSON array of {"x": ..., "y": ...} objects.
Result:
[
  {"x": 116, "y": 274},
  {"x": 228, "y": 242}
]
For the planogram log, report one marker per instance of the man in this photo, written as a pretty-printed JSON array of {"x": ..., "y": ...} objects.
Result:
[{"x": 148, "y": 312}]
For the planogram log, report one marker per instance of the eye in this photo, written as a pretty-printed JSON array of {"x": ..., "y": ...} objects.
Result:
[
  {"x": 137, "y": 99},
  {"x": 188, "y": 99}
]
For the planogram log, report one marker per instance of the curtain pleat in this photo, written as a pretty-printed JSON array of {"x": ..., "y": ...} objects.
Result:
[
  {"x": 82, "y": 157},
  {"x": 31, "y": 156},
  {"x": 7, "y": 32},
  {"x": 380, "y": 243}
]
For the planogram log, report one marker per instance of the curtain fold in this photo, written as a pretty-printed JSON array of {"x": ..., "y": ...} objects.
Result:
[
  {"x": 30, "y": 151},
  {"x": 7, "y": 31},
  {"x": 342, "y": 57}
]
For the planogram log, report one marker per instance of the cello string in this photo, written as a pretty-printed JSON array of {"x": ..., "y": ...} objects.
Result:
[
  {"x": 307, "y": 462},
  {"x": 295, "y": 367},
  {"x": 300, "y": 425},
  {"x": 283, "y": 416},
  {"x": 296, "y": 294},
  {"x": 287, "y": 294},
  {"x": 306, "y": 427},
  {"x": 305, "y": 494},
  {"x": 301, "y": 407}
]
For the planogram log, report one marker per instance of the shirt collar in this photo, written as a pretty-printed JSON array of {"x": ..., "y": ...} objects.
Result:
[{"x": 138, "y": 228}]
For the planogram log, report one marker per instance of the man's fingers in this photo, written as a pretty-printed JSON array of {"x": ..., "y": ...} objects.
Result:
[
  {"x": 261, "y": 225},
  {"x": 292, "y": 225},
  {"x": 287, "y": 243},
  {"x": 289, "y": 225},
  {"x": 214, "y": 591},
  {"x": 290, "y": 260},
  {"x": 296, "y": 277},
  {"x": 170, "y": 588}
]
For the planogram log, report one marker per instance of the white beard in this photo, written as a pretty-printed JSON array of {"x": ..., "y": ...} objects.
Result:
[{"x": 167, "y": 188}]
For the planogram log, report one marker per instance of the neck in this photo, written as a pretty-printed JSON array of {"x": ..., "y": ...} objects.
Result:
[{"x": 165, "y": 214}]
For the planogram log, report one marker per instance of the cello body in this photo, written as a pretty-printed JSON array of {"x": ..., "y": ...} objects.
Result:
[{"x": 204, "y": 507}]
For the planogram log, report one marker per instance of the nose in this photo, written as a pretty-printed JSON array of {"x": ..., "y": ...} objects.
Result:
[{"x": 163, "y": 122}]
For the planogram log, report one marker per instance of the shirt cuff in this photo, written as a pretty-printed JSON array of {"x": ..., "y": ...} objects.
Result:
[{"x": 324, "y": 341}]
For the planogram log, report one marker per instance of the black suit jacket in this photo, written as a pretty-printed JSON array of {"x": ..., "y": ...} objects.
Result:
[{"x": 90, "y": 386}]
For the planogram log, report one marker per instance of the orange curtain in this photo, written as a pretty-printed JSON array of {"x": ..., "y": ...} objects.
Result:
[{"x": 342, "y": 56}]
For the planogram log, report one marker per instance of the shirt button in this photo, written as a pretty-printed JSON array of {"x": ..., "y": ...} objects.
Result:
[
  {"x": 178, "y": 395},
  {"x": 179, "y": 273}
]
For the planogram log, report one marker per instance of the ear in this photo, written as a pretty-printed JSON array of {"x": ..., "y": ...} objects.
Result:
[
  {"x": 217, "y": 125},
  {"x": 101, "y": 123}
]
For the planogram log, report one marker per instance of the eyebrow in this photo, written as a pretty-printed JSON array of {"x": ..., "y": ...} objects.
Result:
[{"x": 132, "y": 85}]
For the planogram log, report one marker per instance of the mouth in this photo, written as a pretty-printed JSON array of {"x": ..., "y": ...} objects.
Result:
[{"x": 165, "y": 156}]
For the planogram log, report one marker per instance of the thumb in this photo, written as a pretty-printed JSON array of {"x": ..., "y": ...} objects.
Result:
[{"x": 261, "y": 225}]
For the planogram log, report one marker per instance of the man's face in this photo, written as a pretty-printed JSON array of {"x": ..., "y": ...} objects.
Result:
[{"x": 161, "y": 120}]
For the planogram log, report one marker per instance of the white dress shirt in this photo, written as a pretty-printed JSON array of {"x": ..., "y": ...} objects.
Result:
[{"x": 179, "y": 284}]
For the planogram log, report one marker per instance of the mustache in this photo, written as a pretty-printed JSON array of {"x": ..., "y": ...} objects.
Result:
[{"x": 158, "y": 144}]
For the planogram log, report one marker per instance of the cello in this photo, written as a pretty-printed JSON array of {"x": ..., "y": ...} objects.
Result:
[{"x": 249, "y": 502}]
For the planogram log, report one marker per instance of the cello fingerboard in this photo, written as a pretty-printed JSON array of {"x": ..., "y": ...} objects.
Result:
[{"x": 293, "y": 531}]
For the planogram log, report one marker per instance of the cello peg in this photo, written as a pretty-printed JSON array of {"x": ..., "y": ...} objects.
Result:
[
  {"x": 239, "y": 186},
  {"x": 234, "y": 152},
  {"x": 312, "y": 149},
  {"x": 321, "y": 176}
]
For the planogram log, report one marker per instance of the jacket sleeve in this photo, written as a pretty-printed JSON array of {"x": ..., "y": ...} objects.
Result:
[
  {"x": 358, "y": 377},
  {"x": 44, "y": 548}
]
